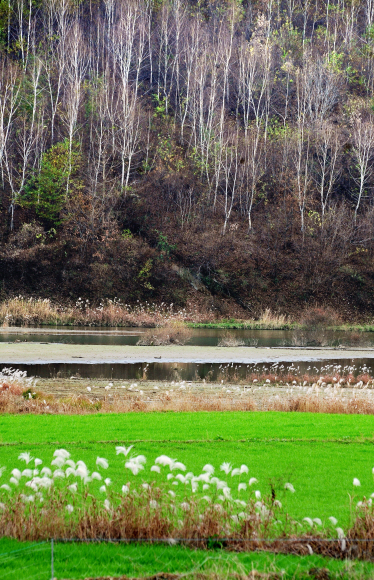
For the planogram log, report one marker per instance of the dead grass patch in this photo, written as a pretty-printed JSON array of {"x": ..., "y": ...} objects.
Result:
[
  {"x": 316, "y": 404},
  {"x": 127, "y": 403},
  {"x": 320, "y": 316},
  {"x": 174, "y": 333},
  {"x": 271, "y": 320},
  {"x": 21, "y": 311},
  {"x": 151, "y": 515},
  {"x": 37, "y": 402}
]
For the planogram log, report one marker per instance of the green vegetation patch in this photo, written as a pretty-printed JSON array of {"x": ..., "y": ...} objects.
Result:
[
  {"x": 322, "y": 473},
  {"x": 247, "y": 325},
  {"x": 319, "y": 454},
  {"x": 199, "y": 426},
  {"x": 77, "y": 561}
]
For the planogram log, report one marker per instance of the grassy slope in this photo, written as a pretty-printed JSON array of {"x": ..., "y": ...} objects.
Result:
[{"x": 33, "y": 561}]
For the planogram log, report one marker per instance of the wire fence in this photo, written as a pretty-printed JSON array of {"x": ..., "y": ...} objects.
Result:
[{"x": 104, "y": 559}]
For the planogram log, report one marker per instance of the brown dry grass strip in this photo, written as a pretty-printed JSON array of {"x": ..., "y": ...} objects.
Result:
[{"x": 14, "y": 403}]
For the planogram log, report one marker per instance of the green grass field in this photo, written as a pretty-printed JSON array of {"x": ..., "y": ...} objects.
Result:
[
  {"x": 201, "y": 426},
  {"x": 32, "y": 561},
  {"x": 319, "y": 454}
]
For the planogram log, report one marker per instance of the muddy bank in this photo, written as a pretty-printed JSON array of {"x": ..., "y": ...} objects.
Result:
[{"x": 27, "y": 353}]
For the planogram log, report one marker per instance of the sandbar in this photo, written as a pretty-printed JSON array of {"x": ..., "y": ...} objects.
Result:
[{"x": 37, "y": 353}]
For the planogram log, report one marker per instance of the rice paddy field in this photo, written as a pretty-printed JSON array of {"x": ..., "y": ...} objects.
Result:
[
  {"x": 320, "y": 455},
  {"x": 247, "y": 470},
  {"x": 313, "y": 451},
  {"x": 30, "y": 561}
]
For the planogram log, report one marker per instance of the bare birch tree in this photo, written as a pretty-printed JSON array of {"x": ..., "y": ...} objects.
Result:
[
  {"x": 230, "y": 161},
  {"x": 75, "y": 70},
  {"x": 254, "y": 84},
  {"x": 27, "y": 136},
  {"x": 326, "y": 169},
  {"x": 301, "y": 152},
  {"x": 321, "y": 88},
  {"x": 363, "y": 144},
  {"x": 128, "y": 48}
]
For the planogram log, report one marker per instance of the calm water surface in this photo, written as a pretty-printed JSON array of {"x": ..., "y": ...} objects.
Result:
[
  {"x": 191, "y": 371},
  {"x": 200, "y": 336},
  {"x": 183, "y": 371}
]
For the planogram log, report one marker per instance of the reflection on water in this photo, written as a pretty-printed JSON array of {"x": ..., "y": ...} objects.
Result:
[
  {"x": 195, "y": 371},
  {"x": 200, "y": 336}
]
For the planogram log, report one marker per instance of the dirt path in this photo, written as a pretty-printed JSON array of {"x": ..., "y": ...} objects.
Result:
[{"x": 37, "y": 353}]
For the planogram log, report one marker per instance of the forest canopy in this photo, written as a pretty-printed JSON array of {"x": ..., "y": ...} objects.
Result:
[{"x": 148, "y": 143}]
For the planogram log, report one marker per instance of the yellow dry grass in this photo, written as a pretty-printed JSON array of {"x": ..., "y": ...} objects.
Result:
[
  {"x": 270, "y": 319},
  {"x": 20, "y": 311}
]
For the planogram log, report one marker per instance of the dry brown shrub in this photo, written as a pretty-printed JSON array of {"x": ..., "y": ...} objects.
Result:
[
  {"x": 179, "y": 402},
  {"x": 273, "y": 378},
  {"x": 130, "y": 517},
  {"x": 174, "y": 333},
  {"x": 14, "y": 403},
  {"x": 319, "y": 316},
  {"x": 315, "y": 404},
  {"x": 12, "y": 383},
  {"x": 20, "y": 311},
  {"x": 27, "y": 236},
  {"x": 330, "y": 400},
  {"x": 127, "y": 403},
  {"x": 365, "y": 378},
  {"x": 11, "y": 388}
]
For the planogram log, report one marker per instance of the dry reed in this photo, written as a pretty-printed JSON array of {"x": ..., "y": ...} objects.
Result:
[
  {"x": 174, "y": 333},
  {"x": 132, "y": 518},
  {"x": 61, "y": 502},
  {"x": 151, "y": 515},
  {"x": 19, "y": 394},
  {"x": 147, "y": 514},
  {"x": 20, "y": 311},
  {"x": 271, "y": 320},
  {"x": 315, "y": 404},
  {"x": 15, "y": 402},
  {"x": 78, "y": 404}
]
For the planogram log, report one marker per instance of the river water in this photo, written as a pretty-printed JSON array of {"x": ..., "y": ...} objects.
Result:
[
  {"x": 188, "y": 371},
  {"x": 200, "y": 336},
  {"x": 193, "y": 371}
]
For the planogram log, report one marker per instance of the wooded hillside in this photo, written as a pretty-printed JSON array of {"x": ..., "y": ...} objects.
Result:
[{"x": 159, "y": 149}]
